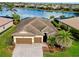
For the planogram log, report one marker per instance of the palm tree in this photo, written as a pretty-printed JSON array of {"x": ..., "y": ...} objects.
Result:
[
  {"x": 16, "y": 18},
  {"x": 64, "y": 39},
  {"x": 10, "y": 6}
]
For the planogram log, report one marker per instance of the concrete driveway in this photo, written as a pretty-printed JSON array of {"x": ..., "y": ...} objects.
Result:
[{"x": 28, "y": 50}]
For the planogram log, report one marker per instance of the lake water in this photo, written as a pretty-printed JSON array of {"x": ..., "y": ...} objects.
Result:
[{"x": 24, "y": 12}]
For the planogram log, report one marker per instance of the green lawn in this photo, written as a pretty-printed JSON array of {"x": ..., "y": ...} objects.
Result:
[
  {"x": 70, "y": 52},
  {"x": 4, "y": 38}
]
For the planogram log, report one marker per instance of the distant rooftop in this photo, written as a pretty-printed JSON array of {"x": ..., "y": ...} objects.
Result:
[
  {"x": 4, "y": 21},
  {"x": 73, "y": 22}
]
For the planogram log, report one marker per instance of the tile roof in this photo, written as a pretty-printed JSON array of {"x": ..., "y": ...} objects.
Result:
[
  {"x": 73, "y": 22},
  {"x": 36, "y": 26}
]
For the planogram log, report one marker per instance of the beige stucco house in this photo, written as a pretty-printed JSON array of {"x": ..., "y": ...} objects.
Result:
[
  {"x": 5, "y": 23},
  {"x": 31, "y": 30}
]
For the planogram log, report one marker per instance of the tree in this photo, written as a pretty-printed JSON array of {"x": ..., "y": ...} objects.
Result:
[
  {"x": 52, "y": 17},
  {"x": 56, "y": 24},
  {"x": 0, "y": 7},
  {"x": 16, "y": 18},
  {"x": 62, "y": 16},
  {"x": 64, "y": 39},
  {"x": 10, "y": 6},
  {"x": 51, "y": 40}
]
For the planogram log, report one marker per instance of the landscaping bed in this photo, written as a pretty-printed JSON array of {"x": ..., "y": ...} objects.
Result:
[
  {"x": 51, "y": 49},
  {"x": 70, "y": 52}
]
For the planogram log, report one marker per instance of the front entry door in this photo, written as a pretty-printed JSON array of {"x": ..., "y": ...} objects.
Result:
[{"x": 45, "y": 37}]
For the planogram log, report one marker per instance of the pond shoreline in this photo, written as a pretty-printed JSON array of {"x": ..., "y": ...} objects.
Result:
[
  {"x": 33, "y": 12},
  {"x": 52, "y": 10}
]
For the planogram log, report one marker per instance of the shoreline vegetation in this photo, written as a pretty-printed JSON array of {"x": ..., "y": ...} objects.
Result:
[
  {"x": 52, "y": 10},
  {"x": 47, "y": 7}
]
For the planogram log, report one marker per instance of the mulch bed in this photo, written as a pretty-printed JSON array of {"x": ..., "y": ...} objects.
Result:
[{"x": 51, "y": 49}]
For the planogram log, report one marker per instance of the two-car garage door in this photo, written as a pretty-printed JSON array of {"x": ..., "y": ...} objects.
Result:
[
  {"x": 28, "y": 40},
  {"x": 24, "y": 40}
]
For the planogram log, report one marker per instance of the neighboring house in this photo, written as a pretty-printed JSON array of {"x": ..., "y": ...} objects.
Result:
[
  {"x": 5, "y": 23},
  {"x": 32, "y": 30}
]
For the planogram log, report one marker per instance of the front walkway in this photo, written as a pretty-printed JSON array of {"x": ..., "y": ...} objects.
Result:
[{"x": 28, "y": 50}]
